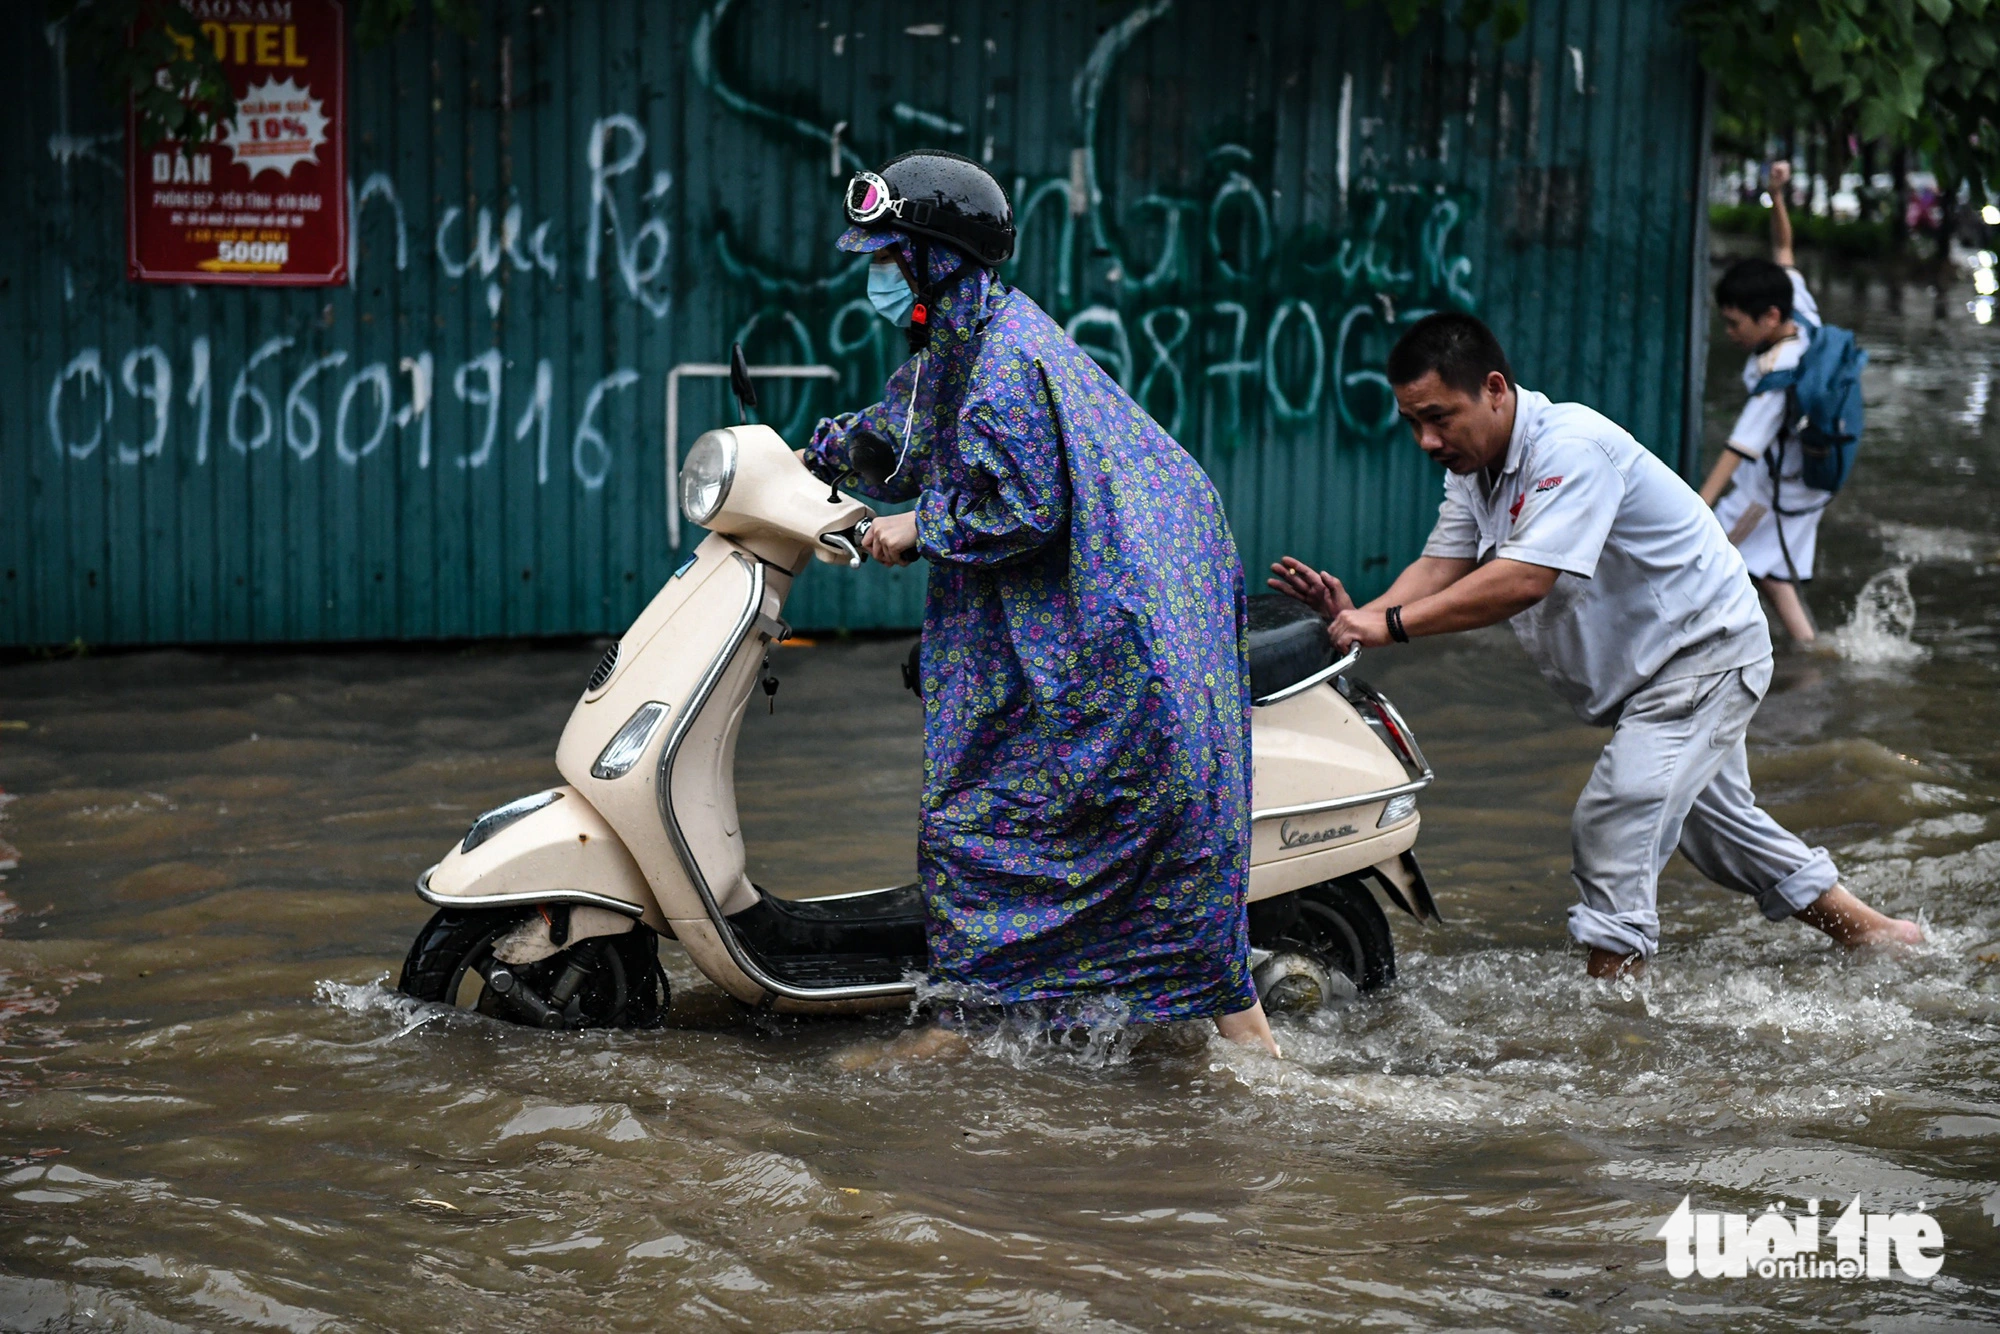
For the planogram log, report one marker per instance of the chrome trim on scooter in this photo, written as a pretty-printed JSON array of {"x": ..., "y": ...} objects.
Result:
[
  {"x": 689, "y": 712},
  {"x": 1414, "y": 763},
  {"x": 1409, "y": 735},
  {"x": 1343, "y": 803},
  {"x": 522, "y": 899},
  {"x": 852, "y": 894},
  {"x": 1323, "y": 674}
]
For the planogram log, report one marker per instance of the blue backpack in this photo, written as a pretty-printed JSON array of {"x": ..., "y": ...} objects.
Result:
[{"x": 1822, "y": 406}]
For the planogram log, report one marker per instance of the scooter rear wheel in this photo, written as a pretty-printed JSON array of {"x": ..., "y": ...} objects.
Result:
[
  {"x": 1337, "y": 923},
  {"x": 621, "y": 986}
]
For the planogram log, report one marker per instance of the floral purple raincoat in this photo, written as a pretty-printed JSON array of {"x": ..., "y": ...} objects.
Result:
[{"x": 1085, "y": 828}]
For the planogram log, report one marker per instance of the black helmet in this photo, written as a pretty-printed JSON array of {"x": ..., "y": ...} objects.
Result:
[{"x": 938, "y": 195}]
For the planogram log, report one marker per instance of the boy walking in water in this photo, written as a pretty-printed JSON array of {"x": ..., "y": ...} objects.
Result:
[{"x": 1770, "y": 514}]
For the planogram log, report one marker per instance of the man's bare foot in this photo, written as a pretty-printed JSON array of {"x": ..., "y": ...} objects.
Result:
[
  {"x": 1852, "y": 922},
  {"x": 1250, "y": 1027},
  {"x": 921, "y": 1044},
  {"x": 1611, "y": 964}
]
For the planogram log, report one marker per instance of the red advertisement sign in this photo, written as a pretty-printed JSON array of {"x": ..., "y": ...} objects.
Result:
[{"x": 265, "y": 202}]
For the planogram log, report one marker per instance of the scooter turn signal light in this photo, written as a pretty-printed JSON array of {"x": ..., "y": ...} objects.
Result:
[{"x": 630, "y": 742}]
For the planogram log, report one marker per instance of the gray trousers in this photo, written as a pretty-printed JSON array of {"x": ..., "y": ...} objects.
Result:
[{"x": 1675, "y": 774}]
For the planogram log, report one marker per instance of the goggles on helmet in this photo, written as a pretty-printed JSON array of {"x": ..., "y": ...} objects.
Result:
[{"x": 870, "y": 199}]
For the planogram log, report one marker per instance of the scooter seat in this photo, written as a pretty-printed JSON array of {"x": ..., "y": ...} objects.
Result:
[{"x": 1288, "y": 643}]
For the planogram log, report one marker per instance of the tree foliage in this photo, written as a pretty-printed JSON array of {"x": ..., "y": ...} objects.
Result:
[
  {"x": 379, "y": 20},
  {"x": 1508, "y": 17},
  {"x": 178, "y": 88},
  {"x": 1922, "y": 73}
]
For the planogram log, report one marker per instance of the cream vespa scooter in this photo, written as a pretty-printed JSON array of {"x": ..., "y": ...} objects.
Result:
[{"x": 551, "y": 907}]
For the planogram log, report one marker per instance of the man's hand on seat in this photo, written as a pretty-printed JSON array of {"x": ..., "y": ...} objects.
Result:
[
  {"x": 1356, "y": 628},
  {"x": 1316, "y": 588}
]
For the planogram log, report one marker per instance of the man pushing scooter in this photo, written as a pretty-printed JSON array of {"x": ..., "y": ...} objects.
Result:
[{"x": 1627, "y": 595}]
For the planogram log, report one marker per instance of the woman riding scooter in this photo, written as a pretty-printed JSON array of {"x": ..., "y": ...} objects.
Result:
[{"x": 1085, "y": 830}]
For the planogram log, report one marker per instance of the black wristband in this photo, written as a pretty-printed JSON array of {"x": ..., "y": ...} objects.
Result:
[{"x": 1396, "y": 631}]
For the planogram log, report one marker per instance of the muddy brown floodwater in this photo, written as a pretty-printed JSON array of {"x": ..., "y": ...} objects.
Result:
[{"x": 215, "y": 1112}]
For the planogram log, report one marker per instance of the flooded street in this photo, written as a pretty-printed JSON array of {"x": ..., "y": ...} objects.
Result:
[{"x": 215, "y": 1112}]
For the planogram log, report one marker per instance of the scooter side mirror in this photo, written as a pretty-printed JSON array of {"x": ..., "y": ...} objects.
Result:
[
  {"x": 739, "y": 382},
  {"x": 872, "y": 458}
]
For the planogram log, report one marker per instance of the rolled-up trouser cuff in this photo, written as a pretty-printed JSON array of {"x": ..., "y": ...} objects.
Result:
[
  {"x": 1635, "y": 932},
  {"x": 1800, "y": 888}
]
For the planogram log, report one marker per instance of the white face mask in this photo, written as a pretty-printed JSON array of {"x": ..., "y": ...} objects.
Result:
[{"x": 890, "y": 294}]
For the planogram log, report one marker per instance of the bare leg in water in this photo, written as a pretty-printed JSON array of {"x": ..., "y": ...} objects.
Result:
[
  {"x": 1838, "y": 913},
  {"x": 1250, "y": 1027},
  {"x": 1784, "y": 595}
]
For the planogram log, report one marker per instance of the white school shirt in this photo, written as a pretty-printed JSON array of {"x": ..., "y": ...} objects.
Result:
[
  {"x": 1649, "y": 589},
  {"x": 1757, "y": 426}
]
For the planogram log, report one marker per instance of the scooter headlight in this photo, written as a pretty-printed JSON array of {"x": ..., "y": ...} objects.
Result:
[{"x": 706, "y": 477}]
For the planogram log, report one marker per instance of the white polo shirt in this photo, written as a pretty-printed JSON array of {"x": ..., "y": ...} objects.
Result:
[
  {"x": 1763, "y": 417},
  {"x": 1649, "y": 589}
]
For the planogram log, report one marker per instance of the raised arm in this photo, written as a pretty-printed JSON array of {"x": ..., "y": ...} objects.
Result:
[{"x": 1781, "y": 218}]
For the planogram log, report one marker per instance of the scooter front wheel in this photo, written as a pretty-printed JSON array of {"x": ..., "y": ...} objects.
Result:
[
  {"x": 602, "y": 982},
  {"x": 1335, "y": 926}
]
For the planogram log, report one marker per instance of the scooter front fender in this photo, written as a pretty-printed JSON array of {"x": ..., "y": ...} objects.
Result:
[{"x": 561, "y": 852}]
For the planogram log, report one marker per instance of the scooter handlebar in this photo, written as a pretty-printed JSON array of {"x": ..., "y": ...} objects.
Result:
[{"x": 848, "y": 543}]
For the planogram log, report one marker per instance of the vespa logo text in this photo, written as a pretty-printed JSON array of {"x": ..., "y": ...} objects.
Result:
[
  {"x": 1288, "y": 837},
  {"x": 1777, "y": 1245}
]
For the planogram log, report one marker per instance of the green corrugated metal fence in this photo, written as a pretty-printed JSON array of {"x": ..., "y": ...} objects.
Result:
[{"x": 1236, "y": 207}]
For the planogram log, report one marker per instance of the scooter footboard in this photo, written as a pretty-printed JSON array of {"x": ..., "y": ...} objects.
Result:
[{"x": 552, "y": 847}]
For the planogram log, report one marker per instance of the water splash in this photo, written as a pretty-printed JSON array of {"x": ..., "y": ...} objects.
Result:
[
  {"x": 1094, "y": 1032},
  {"x": 376, "y": 998},
  {"x": 1885, "y": 614}
]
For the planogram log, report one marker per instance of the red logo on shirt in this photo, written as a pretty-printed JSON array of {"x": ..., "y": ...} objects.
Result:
[{"x": 1546, "y": 484}]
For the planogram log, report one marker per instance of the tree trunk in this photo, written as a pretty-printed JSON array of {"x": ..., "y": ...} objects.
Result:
[
  {"x": 1871, "y": 207},
  {"x": 1899, "y": 200},
  {"x": 1836, "y": 162},
  {"x": 1815, "y": 164},
  {"x": 1947, "y": 224}
]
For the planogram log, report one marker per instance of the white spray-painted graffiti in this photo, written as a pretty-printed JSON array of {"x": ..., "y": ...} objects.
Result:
[
  {"x": 82, "y": 400},
  {"x": 614, "y": 147},
  {"x": 1219, "y": 324},
  {"x": 638, "y": 273}
]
